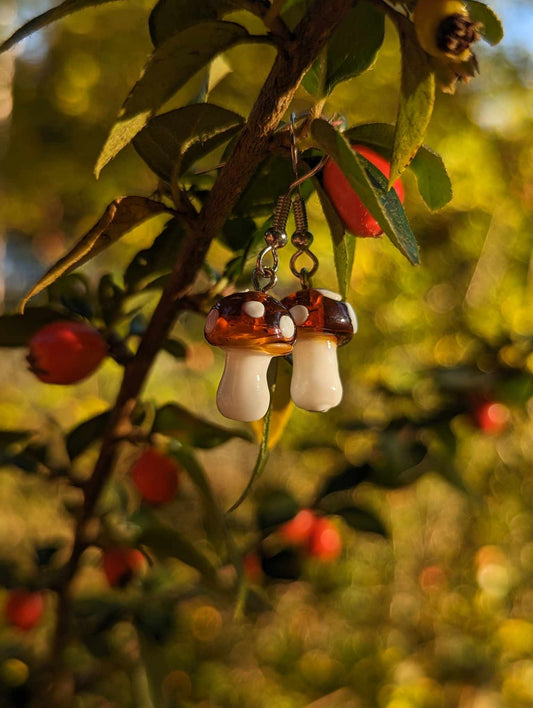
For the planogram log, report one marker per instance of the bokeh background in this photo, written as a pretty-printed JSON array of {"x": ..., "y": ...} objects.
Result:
[{"x": 439, "y": 613}]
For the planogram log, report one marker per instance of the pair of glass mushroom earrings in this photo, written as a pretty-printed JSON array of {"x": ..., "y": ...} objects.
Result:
[{"x": 252, "y": 327}]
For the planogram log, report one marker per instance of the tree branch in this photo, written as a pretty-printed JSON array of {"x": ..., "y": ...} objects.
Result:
[{"x": 253, "y": 145}]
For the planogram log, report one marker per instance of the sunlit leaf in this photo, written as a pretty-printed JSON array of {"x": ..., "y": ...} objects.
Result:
[
  {"x": 351, "y": 50},
  {"x": 122, "y": 215},
  {"x": 184, "y": 136},
  {"x": 491, "y": 27},
  {"x": 170, "y": 17},
  {"x": 281, "y": 407},
  {"x": 55, "y": 13},
  {"x": 433, "y": 181},
  {"x": 417, "y": 98},
  {"x": 343, "y": 243},
  {"x": 169, "y": 68},
  {"x": 371, "y": 186},
  {"x": 156, "y": 260}
]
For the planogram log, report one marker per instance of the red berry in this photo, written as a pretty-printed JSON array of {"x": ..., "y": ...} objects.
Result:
[
  {"x": 66, "y": 352},
  {"x": 121, "y": 565},
  {"x": 298, "y": 530},
  {"x": 24, "y": 609},
  {"x": 252, "y": 567},
  {"x": 492, "y": 417},
  {"x": 156, "y": 476},
  {"x": 325, "y": 542},
  {"x": 353, "y": 213}
]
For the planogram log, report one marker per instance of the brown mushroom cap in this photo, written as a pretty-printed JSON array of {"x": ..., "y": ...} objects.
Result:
[
  {"x": 252, "y": 320},
  {"x": 315, "y": 312}
]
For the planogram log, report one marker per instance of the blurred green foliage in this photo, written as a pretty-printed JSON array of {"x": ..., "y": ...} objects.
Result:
[{"x": 436, "y": 615}]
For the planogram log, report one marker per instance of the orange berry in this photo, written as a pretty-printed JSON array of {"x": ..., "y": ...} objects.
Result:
[
  {"x": 156, "y": 476},
  {"x": 351, "y": 210},
  {"x": 24, "y": 609},
  {"x": 325, "y": 542},
  {"x": 298, "y": 530},
  {"x": 492, "y": 417},
  {"x": 121, "y": 565},
  {"x": 252, "y": 567},
  {"x": 65, "y": 352}
]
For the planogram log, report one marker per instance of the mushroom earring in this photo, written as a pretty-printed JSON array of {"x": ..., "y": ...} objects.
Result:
[
  {"x": 252, "y": 327},
  {"x": 323, "y": 324}
]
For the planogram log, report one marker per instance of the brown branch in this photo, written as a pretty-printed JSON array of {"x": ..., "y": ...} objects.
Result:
[{"x": 253, "y": 146}]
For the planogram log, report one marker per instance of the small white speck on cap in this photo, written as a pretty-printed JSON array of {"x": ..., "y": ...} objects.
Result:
[
  {"x": 211, "y": 321},
  {"x": 254, "y": 309},
  {"x": 299, "y": 314},
  {"x": 353, "y": 316},
  {"x": 287, "y": 326},
  {"x": 330, "y": 294}
]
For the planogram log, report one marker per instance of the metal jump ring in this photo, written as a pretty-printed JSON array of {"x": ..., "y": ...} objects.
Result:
[
  {"x": 267, "y": 273},
  {"x": 304, "y": 274}
]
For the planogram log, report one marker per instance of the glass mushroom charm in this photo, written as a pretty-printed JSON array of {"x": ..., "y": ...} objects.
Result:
[
  {"x": 323, "y": 324},
  {"x": 251, "y": 327}
]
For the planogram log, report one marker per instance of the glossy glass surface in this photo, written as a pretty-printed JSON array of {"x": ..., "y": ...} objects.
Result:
[
  {"x": 228, "y": 324},
  {"x": 325, "y": 315}
]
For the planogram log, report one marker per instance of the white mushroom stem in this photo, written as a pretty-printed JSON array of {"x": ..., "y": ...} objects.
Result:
[
  {"x": 243, "y": 392},
  {"x": 315, "y": 383}
]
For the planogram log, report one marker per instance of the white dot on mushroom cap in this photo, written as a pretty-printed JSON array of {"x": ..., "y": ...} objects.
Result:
[
  {"x": 252, "y": 308},
  {"x": 211, "y": 321},
  {"x": 353, "y": 317},
  {"x": 286, "y": 326},
  {"x": 330, "y": 294},
  {"x": 299, "y": 314}
]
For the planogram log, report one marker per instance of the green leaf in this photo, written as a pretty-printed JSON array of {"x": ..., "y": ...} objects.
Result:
[
  {"x": 343, "y": 243},
  {"x": 275, "y": 508},
  {"x": 397, "y": 460},
  {"x": 170, "y": 17},
  {"x": 362, "y": 520},
  {"x": 187, "y": 459},
  {"x": 185, "y": 135},
  {"x": 156, "y": 260},
  {"x": 110, "y": 297},
  {"x": 169, "y": 68},
  {"x": 177, "y": 349},
  {"x": 347, "y": 479},
  {"x": 281, "y": 407},
  {"x": 236, "y": 233},
  {"x": 169, "y": 543},
  {"x": 417, "y": 98},
  {"x": 84, "y": 434},
  {"x": 371, "y": 186},
  {"x": 17, "y": 330},
  {"x": 122, "y": 215},
  {"x": 56, "y": 13},
  {"x": 351, "y": 50},
  {"x": 8, "y": 437},
  {"x": 491, "y": 30},
  {"x": 273, "y": 178},
  {"x": 179, "y": 423},
  {"x": 433, "y": 181}
]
